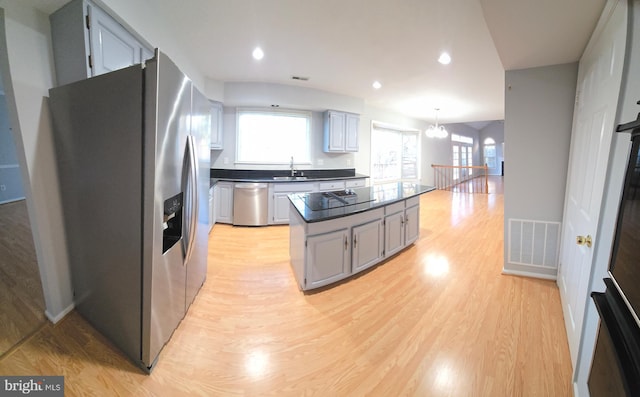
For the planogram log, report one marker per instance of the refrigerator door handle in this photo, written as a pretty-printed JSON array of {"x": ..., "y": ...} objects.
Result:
[{"x": 193, "y": 205}]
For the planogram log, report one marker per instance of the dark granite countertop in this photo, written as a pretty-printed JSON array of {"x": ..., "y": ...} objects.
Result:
[
  {"x": 282, "y": 176},
  {"x": 322, "y": 206}
]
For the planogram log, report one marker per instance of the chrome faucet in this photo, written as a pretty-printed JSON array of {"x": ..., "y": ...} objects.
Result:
[{"x": 293, "y": 170}]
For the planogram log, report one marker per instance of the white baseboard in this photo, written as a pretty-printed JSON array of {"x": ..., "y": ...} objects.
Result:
[
  {"x": 528, "y": 274},
  {"x": 59, "y": 316}
]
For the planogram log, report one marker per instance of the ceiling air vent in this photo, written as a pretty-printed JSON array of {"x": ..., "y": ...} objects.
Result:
[{"x": 299, "y": 78}]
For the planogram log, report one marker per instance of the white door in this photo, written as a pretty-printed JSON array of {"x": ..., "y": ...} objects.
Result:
[{"x": 599, "y": 79}]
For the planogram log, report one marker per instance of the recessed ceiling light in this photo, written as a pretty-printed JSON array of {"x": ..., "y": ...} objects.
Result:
[
  {"x": 258, "y": 54},
  {"x": 445, "y": 58},
  {"x": 377, "y": 85}
]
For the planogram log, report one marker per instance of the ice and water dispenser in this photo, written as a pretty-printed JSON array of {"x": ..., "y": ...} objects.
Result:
[{"x": 172, "y": 222}]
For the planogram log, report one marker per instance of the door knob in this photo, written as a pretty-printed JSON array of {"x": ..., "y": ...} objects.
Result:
[{"x": 582, "y": 240}]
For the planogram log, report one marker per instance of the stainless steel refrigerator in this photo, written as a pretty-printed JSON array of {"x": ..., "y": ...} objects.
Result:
[{"x": 132, "y": 150}]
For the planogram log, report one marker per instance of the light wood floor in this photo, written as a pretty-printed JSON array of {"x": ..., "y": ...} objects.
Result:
[
  {"x": 21, "y": 299},
  {"x": 437, "y": 320}
]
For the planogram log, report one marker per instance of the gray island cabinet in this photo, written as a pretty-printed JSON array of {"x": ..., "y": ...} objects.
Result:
[{"x": 334, "y": 235}]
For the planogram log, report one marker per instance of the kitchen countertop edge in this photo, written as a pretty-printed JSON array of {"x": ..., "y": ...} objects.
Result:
[
  {"x": 325, "y": 215},
  {"x": 271, "y": 180}
]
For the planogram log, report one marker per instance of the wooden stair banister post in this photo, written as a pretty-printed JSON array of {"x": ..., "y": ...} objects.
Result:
[{"x": 486, "y": 179}]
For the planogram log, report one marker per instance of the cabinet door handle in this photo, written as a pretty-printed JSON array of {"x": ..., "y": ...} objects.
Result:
[
  {"x": 346, "y": 243},
  {"x": 355, "y": 241}
]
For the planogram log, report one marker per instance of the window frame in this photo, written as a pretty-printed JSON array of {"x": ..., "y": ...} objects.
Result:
[
  {"x": 306, "y": 114},
  {"x": 403, "y": 132},
  {"x": 462, "y": 141},
  {"x": 487, "y": 143}
]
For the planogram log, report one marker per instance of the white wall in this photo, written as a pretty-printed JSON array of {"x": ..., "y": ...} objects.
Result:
[
  {"x": 537, "y": 131},
  {"x": 27, "y": 75},
  {"x": 494, "y": 130},
  {"x": 214, "y": 89}
]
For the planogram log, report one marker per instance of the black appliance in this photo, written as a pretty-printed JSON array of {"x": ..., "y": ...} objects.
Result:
[{"x": 615, "y": 369}]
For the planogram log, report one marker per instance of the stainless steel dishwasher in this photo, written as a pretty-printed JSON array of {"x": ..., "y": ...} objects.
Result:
[{"x": 250, "y": 204}]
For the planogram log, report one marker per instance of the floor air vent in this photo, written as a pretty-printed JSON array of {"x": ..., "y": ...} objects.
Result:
[{"x": 534, "y": 243}]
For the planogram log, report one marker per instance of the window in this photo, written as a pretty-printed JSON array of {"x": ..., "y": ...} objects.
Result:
[
  {"x": 462, "y": 147},
  {"x": 394, "y": 153},
  {"x": 273, "y": 137},
  {"x": 490, "y": 153},
  {"x": 462, "y": 139}
]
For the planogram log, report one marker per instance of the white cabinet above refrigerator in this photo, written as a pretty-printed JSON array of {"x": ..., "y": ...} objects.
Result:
[{"x": 89, "y": 42}]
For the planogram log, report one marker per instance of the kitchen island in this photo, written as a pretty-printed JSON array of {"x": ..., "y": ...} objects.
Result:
[{"x": 334, "y": 235}]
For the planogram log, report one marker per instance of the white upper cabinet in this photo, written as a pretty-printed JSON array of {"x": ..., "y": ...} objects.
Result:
[
  {"x": 352, "y": 124},
  {"x": 88, "y": 42},
  {"x": 216, "y": 126},
  {"x": 112, "y": 46},
  {"x": 341, "y": 131}
]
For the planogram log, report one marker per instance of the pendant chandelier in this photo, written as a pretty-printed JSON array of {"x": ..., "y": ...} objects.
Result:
[{"x": 436, "y": 131}]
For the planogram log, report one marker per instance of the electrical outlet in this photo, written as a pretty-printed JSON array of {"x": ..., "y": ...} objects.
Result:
[
  {"x": 3, "y": 187},
  {"x": 226, "y": 160},
  {"x": 320, "y": 162},
  {"x": 348, "y": 162}
]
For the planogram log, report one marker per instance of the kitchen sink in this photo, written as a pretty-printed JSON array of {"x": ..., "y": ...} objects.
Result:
[{"x": 289, "y": 178}]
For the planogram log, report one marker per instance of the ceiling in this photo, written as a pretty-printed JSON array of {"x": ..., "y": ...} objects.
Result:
[{"x": 343, "y": 46}]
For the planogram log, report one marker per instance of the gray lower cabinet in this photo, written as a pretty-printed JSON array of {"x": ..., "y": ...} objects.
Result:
[
  {"x": 324, "y": 252},
  {"x": 212, "y": 208},
  {"x": 401, "y": 225},
  {"x": 411, "y": 224},
  {"x": 279, "y": 200},
  {"x": 367, "y": 245},
  {"x": 280, "y": 208},
  {"x": 224, "y": 202},
  {"x": 393, "y": 233},
  {"x": 328, "y": 258}
]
